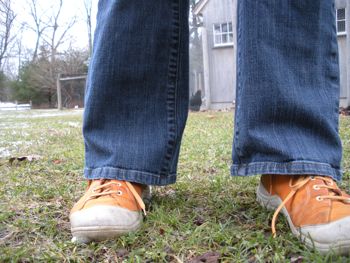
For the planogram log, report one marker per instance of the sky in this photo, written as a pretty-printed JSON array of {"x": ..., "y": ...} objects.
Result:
[
  {"x": 78, "y": 36},
  {"x": 70, "y": 9}
]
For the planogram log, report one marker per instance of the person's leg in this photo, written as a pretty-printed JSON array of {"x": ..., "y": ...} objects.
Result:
[
  {"x": 287, "y": 89},
  {"x": 135, "y": 109},
  {"x": 286, "y": 122},
  {"x": 137, "y": 94}
]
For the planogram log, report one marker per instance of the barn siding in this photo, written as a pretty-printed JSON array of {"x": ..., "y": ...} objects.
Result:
[
  {"x": 222, "y": 68},
  {"x": 222, "y": 61},
  {"x": 343, "y": 44}
]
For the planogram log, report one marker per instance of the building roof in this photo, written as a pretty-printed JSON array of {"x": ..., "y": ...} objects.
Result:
[{"x": 199, "y": 6}]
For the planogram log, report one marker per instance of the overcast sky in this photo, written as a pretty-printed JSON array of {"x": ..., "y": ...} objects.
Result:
[{"x": 70, "y": 9}]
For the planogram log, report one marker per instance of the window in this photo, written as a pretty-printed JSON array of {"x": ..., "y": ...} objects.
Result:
[
  {"x": 341, "y": 21},
  {"x": 223, "y": 34}
]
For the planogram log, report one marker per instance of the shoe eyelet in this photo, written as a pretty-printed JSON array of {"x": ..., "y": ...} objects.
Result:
[
  {"x": 119, "y": 193},
  {"x": 313, "y": 178},
  {"x": 319, "y": 198},
  {"x": 316, "y": 187},
  {"x": 119, "y": 184}
]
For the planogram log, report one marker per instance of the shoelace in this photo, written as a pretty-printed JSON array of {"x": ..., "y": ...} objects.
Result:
[
  {"x": 337, "y": 194},
  {"x": 107, "y": 185}
]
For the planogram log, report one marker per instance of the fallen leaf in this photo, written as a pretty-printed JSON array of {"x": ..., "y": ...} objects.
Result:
[
  {"x": 297, "y": 259},
  {"x": 199, "y": 220},
  {"x": 252, "y": 259},
  {"x": 122, "y": 253},
  {"x": 161, "y": 231},
  {"x": 57, "y": 161},
  {"x": 168, "y": 250},
  {"x": 28, "y": 158},
  {"x": 209, "y": 257}
]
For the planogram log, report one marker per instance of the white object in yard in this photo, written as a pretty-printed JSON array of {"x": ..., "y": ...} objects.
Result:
[{"x": 14, "y": 106}]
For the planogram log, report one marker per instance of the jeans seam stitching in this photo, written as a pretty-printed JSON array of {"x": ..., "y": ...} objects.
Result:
[
  {"x": 239, "y": 83},
  {"x": 254, "y": 166},
  {"x": 288, "y": 163},
  {"x": 126, "y": 170},
  {"x": 173, "y": 67},
  {"x": 129, "y": 175}
]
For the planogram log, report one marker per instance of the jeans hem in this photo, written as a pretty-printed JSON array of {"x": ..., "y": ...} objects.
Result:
[
  {"x": 295, "y": 167},
  {"x": 135, "y": 176}
]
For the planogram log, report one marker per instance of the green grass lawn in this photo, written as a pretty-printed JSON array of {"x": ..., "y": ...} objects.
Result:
[{"x": 205, "y": 211}]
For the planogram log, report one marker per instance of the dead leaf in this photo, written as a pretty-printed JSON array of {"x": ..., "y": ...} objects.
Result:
[
  {"x": 297, "y": 259},
  {"x": 57, "y": 161},
  {"x": 168, "y": 250},
  {"x": 122, "y": 253},
  {"x": 161, "y": 231},
  {"x": 252, "y": 259},
  {"x": 28, "y": 158},
  {"x": 209, "y": 257},
  {"x": 199, "y": 220}
]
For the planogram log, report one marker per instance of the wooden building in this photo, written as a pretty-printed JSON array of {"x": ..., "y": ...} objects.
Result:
[{"x": 219, "y": 51}]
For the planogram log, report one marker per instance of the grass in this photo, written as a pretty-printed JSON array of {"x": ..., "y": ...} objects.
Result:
[{"x": 205, "y": 211}]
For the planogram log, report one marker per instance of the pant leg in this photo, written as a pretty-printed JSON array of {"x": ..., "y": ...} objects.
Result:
[
  {"x": 288, "y": 89},
  {"x": 137, "y": 91}
]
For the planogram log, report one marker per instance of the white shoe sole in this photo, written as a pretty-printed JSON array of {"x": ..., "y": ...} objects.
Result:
[
  {"x": 100, "y": 233},
  {"x": 314, "y": 236},
  {"x": 99, "y": 223}
]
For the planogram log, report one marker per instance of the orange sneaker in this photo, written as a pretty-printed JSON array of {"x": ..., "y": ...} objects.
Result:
[
  {"x": 108, "y": 209},
  {"x": 318, "y": 212}
]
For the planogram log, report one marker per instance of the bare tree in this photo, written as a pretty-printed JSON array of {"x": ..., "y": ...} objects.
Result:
[
  {"x": 13, "y": 61},
  {"x": 19, "y": 54},
  {"x": 71, "y": 62},
  {"x": 58, "y": 33},
  {"x": 39, "y": 26},
  {"x": 88, "y": 20},
  {"x": 48, "y": 66},
  {"x": 7, "y": 18}
]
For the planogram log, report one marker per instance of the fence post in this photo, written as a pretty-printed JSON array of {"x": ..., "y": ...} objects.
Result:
[
  {"x": 207, "y": 97},
  {"x": 59, "y": 93}
]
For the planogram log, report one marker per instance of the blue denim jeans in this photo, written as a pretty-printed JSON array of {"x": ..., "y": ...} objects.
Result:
[{"x": 287, "y": 90}]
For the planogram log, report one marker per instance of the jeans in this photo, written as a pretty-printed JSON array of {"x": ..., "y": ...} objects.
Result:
[{"x": 136, "y": 104}]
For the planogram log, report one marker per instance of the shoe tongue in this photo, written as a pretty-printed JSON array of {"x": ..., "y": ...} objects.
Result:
[{"x": 97, "y": 182}]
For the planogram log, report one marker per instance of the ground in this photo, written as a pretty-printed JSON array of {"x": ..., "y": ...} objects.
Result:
[{"x": 207, "y": 216}]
